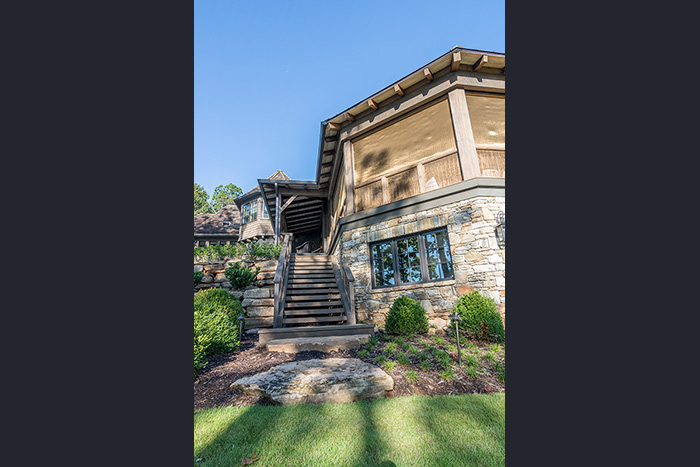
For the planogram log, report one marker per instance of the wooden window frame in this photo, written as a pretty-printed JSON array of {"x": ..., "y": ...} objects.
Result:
[{"x": 421, "y": 256}]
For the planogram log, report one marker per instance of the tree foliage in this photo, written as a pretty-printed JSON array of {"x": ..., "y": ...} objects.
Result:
[
  {"x": 224, "y": 195},
  {"x": 200, "y": 200}
]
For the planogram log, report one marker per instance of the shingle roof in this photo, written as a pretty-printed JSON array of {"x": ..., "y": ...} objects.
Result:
[
  {"x": 214, "y": 223},
  {"x": 279, "y": 175}
]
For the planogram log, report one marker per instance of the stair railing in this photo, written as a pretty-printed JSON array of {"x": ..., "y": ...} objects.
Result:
[
  {"x": 280, "y": 287},
  {"x": 346, "y": 287}
]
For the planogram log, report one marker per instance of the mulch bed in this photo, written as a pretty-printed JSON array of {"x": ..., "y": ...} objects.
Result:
[{"x": 212, "y": 384}]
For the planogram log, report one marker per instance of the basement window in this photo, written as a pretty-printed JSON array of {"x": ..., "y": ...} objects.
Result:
[{"x": 419, "y": 258}]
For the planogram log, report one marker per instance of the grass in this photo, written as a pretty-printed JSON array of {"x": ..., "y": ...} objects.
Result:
[{"x": 468, "y": 429}]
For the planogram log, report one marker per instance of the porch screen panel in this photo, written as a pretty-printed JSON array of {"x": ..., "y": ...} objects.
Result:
[
  {"x": 488, "y": 117},
  {"x": 368, "y": 196},
  {"x": 403, "y": 185},
  {"x": 442, "y": 172},
  {"x": 403, "y": 143},
  {"x": 492, "y": 163}
]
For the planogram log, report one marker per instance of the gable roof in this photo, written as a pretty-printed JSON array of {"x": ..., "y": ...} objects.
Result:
[
  {"x": 214, "y": 223},
  {"x": 278, "y": 175}
]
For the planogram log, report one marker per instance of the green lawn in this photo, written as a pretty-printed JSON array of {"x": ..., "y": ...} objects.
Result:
[{"x": 416, "y": 431}]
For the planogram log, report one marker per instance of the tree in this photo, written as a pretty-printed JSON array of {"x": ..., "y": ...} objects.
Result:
[
  {"x": 224, "y": 195},
  {"x": 201, "y": 205}
]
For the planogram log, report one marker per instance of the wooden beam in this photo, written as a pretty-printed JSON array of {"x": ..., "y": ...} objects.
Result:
[
  {"x": 289, "y": 201},
  {"x": 347, "y": 172},
  {"x": 304, "y": 192},
  {"x": 456, "y": 61},
  {"x": 349, "y": 117},
  {"x": 330, "y": 139},
  {"x": 334, "y": 126},
  {"x": 466, "y": 148},
  {"x": 483, "y": 61},
  {"x": 503, "y": 70},
  {"x": 428, "y": 75},
  {"x": 372, "y": 104},
  {"x": 399, "y": 90},
  {"x": 277, "y": 217}
]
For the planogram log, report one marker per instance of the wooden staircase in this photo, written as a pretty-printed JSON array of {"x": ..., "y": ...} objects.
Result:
[
  {"x": 313, "y": 296},
  {"x": 314, "y": 299}
]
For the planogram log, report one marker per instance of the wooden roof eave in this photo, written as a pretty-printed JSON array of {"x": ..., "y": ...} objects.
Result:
[{"x": 474, "y": 59}]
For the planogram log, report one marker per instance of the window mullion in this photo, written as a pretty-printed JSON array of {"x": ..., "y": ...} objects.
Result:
[
  {"x": 423, "y": 260},
  {"x": 395, "y": 254}
]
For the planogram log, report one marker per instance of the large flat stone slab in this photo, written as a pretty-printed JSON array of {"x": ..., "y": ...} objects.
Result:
[
  {"x": 320, "y": 344},
  {"x": 317, "y": 381}
]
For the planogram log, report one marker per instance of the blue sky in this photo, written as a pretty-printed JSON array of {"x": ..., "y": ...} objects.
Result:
[{"x": 267, "y": 73}]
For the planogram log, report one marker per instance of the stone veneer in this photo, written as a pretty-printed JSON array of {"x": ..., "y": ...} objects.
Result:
[
  {"x": 257, "y": 299},
  {"x": 479, "y": 263}
]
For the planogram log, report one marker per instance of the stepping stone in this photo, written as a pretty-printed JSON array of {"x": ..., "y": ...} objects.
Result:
[
  {"x": 318, "y": 343},
  {"x": 318, "y": 381}
]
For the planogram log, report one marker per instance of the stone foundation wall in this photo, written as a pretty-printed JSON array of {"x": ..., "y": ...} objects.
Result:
[
  {"x": 479, "y": 263},
  {"x": 257, "y": 299}
]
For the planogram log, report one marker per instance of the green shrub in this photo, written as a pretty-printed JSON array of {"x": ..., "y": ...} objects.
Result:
[
  {"x": 217, "y": 329},
  {"x": 215, "y": 324},
  {"x": 257, "y": 250},
  {"x": 220, "y": 298},
  {"x": 198, "y": 276},
  {"x": 406, "y": 317},
  {"x": 380, "y": 359},
  {"x": 389, "y": 365},
  {"x": 411, "y": 376},
  {"x": 391, "y": 347},
  {"x": 479, "y": 317},
  {"x": 240, "y": 277}
]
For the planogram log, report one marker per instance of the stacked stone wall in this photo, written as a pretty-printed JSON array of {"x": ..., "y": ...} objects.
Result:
[
  {"x": 257, "y": 299},
  {"x": 479, "y": 262}
]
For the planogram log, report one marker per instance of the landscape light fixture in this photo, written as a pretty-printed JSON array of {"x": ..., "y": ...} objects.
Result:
[
  {"x": 501, "y": 229},
  {"x": 455, "y": 319},
  {"x": 240, "y": 327}
]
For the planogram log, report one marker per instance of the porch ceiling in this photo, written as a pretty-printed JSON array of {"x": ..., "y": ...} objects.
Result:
[{"x": 304, "y": 213}]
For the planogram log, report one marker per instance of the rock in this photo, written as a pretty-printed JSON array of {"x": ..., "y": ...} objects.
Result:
[
  {"x": 207, "y": 280},
  {"x": 258, "y": 293},
  {"x": 320, "y": 344},
  {"x": 260, "y": 311},
  {"x": 318, "y": 381},
  {"x": 258, "y": 302}
]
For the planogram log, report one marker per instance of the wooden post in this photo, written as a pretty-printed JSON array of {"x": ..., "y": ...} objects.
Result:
[
  {"x": 349, "y": 178},
  {"x": 278, "y": 202},
  {"x": 466, "y": 148}
]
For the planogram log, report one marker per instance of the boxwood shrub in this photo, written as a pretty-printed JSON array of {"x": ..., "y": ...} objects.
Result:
[
  {"x": 215, "y": 324},
  {"x": 479, "y": 317},
  {"x": 406, "y": 317}
]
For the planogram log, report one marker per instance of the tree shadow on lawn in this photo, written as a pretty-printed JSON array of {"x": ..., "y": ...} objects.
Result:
[{"x": 475, "y": 436}]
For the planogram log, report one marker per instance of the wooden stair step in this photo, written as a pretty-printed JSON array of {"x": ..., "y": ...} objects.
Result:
[
  {"x": 325, "y": 290},
  {"x": 314, "y": 311},
  {"x": 313, "y": 319},
  {"x": 311, "y": 276},
  {"x": 311, "y": 284},
  {"x": 297, "y": 298},
  {"x": 314, "y": 304}
]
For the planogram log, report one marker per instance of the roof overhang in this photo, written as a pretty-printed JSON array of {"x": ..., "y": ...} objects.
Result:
[
  {"x": 457, "y": 59},
  {"x": 301, "y": 201}
]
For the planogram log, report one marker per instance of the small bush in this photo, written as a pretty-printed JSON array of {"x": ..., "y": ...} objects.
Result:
[
  {"x": 220, "y": 298},
  {"x": 425, "y": 365},
  {"x": 216, "y": 329},
  {"x": 391, "y": 347},
  {"x": 363, "y": 353},
  {"x": 380, "y": 359},
  {"x": 240, "y": 276},
  {"x": 447, "y": 374},
  {"x": 479, "y": 317},
  {"x": 215, "y": 324},
  {"x": 198, "y": 276},
  {"x": 411, "y": 376},
  {"x": 389, "y": 365},
  {"x": 406, "y": 317}
]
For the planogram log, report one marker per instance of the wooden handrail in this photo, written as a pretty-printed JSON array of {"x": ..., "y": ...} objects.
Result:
[
  {"x": 346, "y": 287},
  {"x": 280, "y": 281}
]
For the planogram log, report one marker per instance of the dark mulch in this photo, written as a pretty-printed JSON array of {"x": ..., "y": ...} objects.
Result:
[{"x": 212, "y": 384}]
